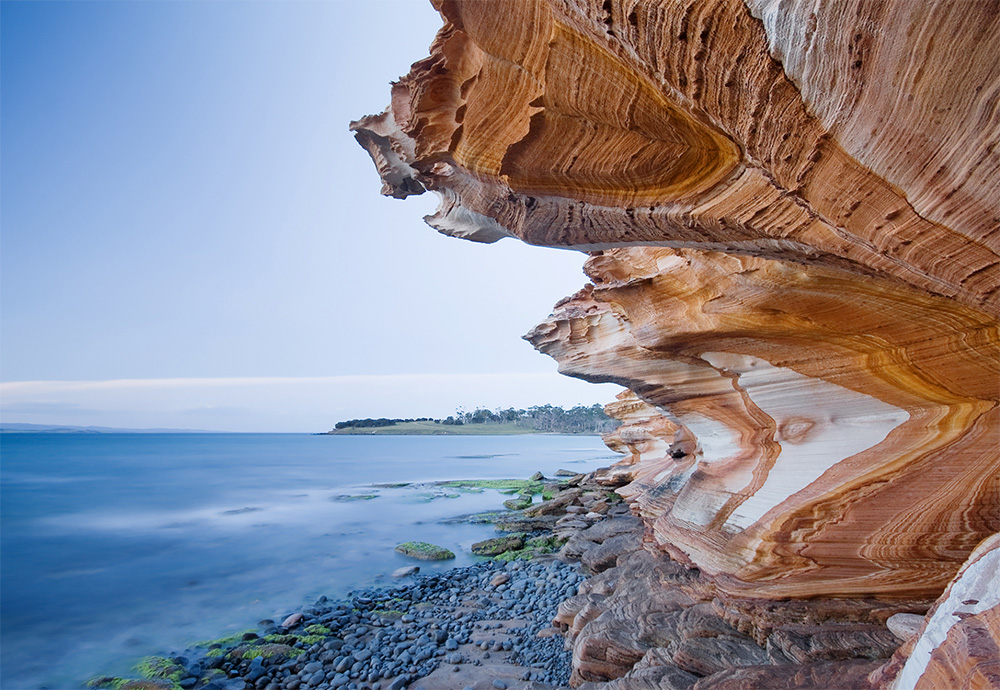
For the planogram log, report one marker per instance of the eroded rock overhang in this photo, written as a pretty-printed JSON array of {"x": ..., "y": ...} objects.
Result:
[{"x": 794, "y": 226}]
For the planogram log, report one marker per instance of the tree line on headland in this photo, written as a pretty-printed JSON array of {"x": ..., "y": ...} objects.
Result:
[{"x": 545, "y": 418}]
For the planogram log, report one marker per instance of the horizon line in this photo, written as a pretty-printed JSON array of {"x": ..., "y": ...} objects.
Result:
[{"x": 178, "y": 382}]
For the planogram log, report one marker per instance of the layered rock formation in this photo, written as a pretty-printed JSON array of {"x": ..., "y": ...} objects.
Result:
[
  {"x": 817, "y": 440},
  {"x": 793, "y": 216}
]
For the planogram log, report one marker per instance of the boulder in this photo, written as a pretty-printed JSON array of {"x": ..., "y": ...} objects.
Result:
[{"x": 424, "y": 551}]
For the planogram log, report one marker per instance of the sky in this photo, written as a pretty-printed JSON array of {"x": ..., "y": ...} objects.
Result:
[{"x": 190, "y": 236}]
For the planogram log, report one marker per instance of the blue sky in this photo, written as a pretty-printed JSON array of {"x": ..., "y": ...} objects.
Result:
[{"x": 188, "y": 227}]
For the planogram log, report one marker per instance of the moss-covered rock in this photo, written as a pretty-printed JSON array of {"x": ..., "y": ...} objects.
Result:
[
  {"x": 546, "y": 544},
  {"x": 533, "y": 547},
  {"x": 504, "y": 486},
  {"x": 424, "y": 551},
  {"x": 158, "y": 667},
  {"x": 267, "y": 650},
  {"x": 498, "y": 545},
  {"x": 281, "y": 639},
  {"x": 519, "y": 503}
]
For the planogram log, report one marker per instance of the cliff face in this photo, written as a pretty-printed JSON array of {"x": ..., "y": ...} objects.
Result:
[
  {"x": 859, "y": 135},
  {"x": 793, "y": 217},
  {"x": 838, "y": 435}
]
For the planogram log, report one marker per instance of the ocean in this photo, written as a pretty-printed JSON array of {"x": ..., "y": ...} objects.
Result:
[{"x": 118, "y": 546}]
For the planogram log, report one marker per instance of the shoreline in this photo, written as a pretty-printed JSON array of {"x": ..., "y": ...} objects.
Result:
[
  {"x": 592, "y": 609},
  {"x": 488, "y": 617}
]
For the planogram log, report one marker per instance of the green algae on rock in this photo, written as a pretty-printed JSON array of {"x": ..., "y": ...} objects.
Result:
[
  {"x": 424, "y": 551},
  {"x": 504, "y": 486},
  {"x": 267, "y": 651},
  {"x": 353, "y": 497},
  {"x": 158, "y": 667},
  {"x": 520, "y": 503},
  {"x": 158, "y": 673},
  {"x": 498, "y": 545},
  {"x": 536, "y": 546}
]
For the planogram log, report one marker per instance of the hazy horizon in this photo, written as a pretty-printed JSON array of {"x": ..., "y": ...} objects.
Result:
[{"x": 192, "y": 238}]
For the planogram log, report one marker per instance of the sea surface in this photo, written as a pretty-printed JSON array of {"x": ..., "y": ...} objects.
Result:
[{"x": 117, "y": 546}]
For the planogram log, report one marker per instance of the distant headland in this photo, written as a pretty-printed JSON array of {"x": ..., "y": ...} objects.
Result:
[{"x": 541, "y": 419}]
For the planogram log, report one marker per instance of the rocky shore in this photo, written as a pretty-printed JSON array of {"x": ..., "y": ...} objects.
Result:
[
  {"x": 570, "y": 598},
  {"x": 484, "y": 626}
]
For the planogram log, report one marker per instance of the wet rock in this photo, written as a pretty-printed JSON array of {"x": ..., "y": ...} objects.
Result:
[
  {"x": 292, "y": 621},
  {"x": 406, "y": 571},
  {"x": 519, "y": 503},
  {"x": 424, "y": 551},
  {"x": 498, "y": 545}
]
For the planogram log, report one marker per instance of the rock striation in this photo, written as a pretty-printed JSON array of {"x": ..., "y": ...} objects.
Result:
[
  {"x": 860, "y": 135},
  {"x": 815, "y": 441},
  {"x": 793, "y": 221}
]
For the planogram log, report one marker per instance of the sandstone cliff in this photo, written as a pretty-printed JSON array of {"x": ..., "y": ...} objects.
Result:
[{"x": 792, "y": 211}]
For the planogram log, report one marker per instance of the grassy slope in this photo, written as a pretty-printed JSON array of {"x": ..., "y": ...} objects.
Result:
[{"x": 430, "y": 428}]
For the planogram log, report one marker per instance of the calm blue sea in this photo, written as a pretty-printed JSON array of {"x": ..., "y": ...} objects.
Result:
[{"x": 116, "y": 546}]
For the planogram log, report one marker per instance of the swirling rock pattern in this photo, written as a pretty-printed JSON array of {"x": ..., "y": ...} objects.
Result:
[
  {"x": 859, "y": 134},
  {"x": 793, "y": 217},
  {"x": 822, "y": 418}
]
